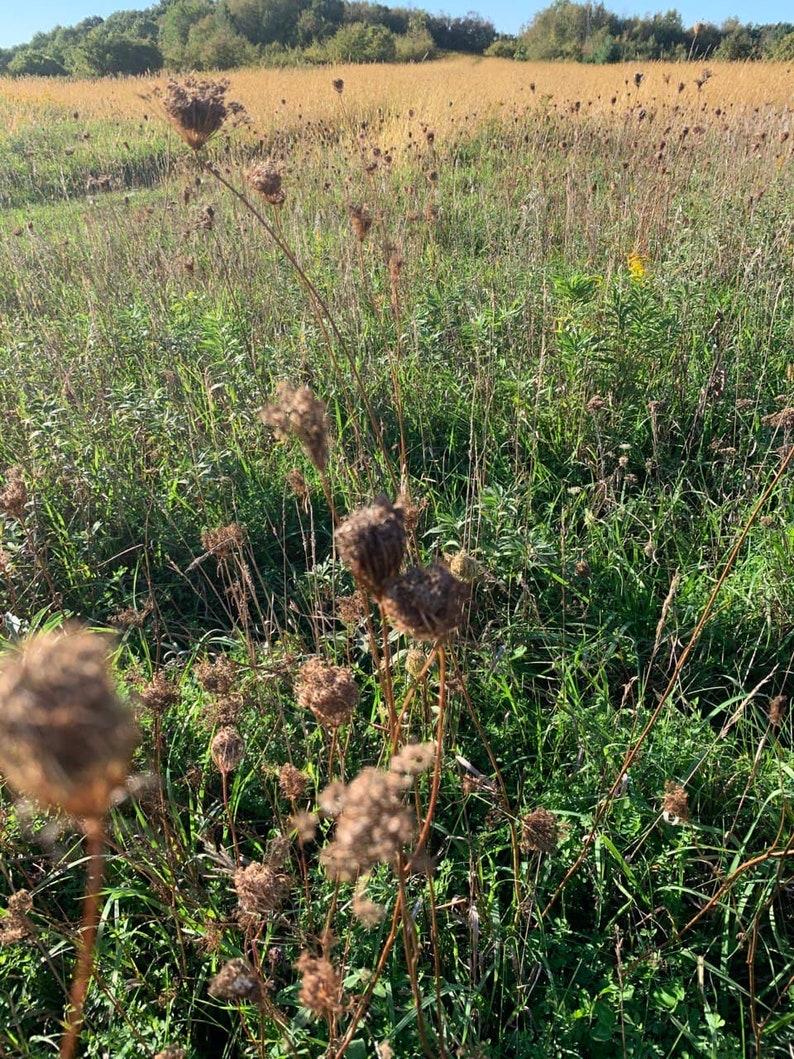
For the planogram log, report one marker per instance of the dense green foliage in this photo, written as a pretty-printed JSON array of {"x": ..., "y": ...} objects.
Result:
[{"x": 572, "y": 348}]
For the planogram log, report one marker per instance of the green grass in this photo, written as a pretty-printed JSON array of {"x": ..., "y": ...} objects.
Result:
[{"x": 136, "y": 347}]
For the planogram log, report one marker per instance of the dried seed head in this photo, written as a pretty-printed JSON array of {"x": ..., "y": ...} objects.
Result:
[
  {"x": 415, "y": 662},
  {"x": 413, "y": 759},
  {"x": 236, "y": 980},
  {"x": 332, "y": 799},
  {"x": 371, "y": 544},
  {"x": 425, "y": 603},
  {"x": 540, "y": 831},
  {"x": 350, "y": 609},
  {"x": 369, "y": 914},
  {"x": 227, "y": 749},
  {"x": 466, "y": 568},
  {"x": 596, "y": 404},
  {"x": 66, "y": 739},
  {"x": 339, "y": 85},
  {"x": 321, "y": 984},
  {"x": 675, "y": 807},
  {"x": 261, "y": 888},
  {"x": 305, "y": 825},
  {"x": 265, "y": 179},
  {"x": 218, "y": 677},
  {"x": 197, "y": 109},
  {"x": 14, "y": 495},
  {"x": 292, "y": 782},
  {"x": 782, "y": 420},
  {"x": 371, "y": 827},
  {"x": 299, "y": 412},
  {"x": 171, "y": 1051},
  {"x": 776, "y": 707},
  {"x": 15, "y": 925},
  {"x": 222, "y": 541},
  {"x": 159, "y": 694},
  {"x": 361, "y": 220},
  {"x": 330, "y": 692}
]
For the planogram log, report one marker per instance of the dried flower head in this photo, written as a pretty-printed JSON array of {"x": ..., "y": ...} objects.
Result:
[
  {"x": 372, "y": 826},
  {"x": 425, "y": 603},
  {"x": 332, "y": 799},
  {"x": 339, "y": 85},
  {"x": 197, "y": 109},
  {"x": 292, "y": 782},
  {"x": 304, "y": 825},
  {"x": 224, "y": 540},
  {"x": 236, "y": 980},
  {"x": 330, "y": 692},
  {"x": 361, "y": 220},
  {"x": 371, "y": 544},
  {"x": 218, "y": 677},
  {"x": 466, "y": 568},
  {"x": 171, "y": 1051},
  {"x": 350, "y": 609},
  {"x": 540, "y": 831},
  {"x": 159, "y": 694},
  {"x": 369, "y": 914},
  {"x": 413, "y": 759},
  {"x": 776, "y": 707},
  {"x": 66, "y": 739},
  {"x": 415, "y": 662},
  {"x": 321, "y": 984},
  {"x": 299, "y": 412},
  {"x": 14, "y": 495},
  {"x": 596, "y": 404},
  {"x": 782, "y": 420},
  {"x": 265, "y": 179},
  {"x": 262, "y": 888},
  {"x": 675, "y": 806},
  {"x": 15, "y": 925},
  {"x": 227, "y": 749}
]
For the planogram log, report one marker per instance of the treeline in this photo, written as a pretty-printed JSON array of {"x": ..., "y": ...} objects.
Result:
[
  {"x": 222, "y": 34},
  {"x": 590, "y": 33}
]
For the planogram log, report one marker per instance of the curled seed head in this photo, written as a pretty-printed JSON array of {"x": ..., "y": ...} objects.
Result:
[
  {"x": 265, "y": 179},
  {"x": 339, "y": 85},
  {"x": 66, "y": 739},
  {"x": 675, "y": 806},
  {"x": 415, "y": 662},
  {"x": 371, "y": 544},
  {"x": 466, "y": 568},
  {"x": 425, "y": 603},
  {"x": 330, "y": 692},
  {"x": 299, "y": 412},
  {"x": 227, "y": 749},
  {"x": 540, "y": 831},
  {"x": 321, "y": 984},
  {"x": 14, "y": 495},
  {"x": 361, "y": 220},
  {"x": 197, "y": 109},
  {"x": 292, "y": 782},
  {"x": 236, "y": 980},
  {"x": 261, "y": 888}
]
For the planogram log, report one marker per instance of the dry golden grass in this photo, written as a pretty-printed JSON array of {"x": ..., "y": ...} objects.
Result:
[{"x": 442, "y": 93}]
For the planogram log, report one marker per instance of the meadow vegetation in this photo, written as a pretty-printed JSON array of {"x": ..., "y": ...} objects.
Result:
[{"x": 423, "y": 434}]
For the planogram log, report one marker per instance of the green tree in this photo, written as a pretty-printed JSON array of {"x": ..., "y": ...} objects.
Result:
[
  {"x": 214, "y": 44},
  {"x": 360, "y": 43},
  {"x": 29, "y": 62},
  {"x": 175, "y": 25},
  {"x": 783, "y": 48},
  {"x": 263, "y": 21}
]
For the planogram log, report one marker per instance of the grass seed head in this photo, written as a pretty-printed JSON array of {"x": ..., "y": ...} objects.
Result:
[
  {"x": 330, "y": 692},
  {"x": 66, "y": 738},
  {"x": 371, "y": 544},
  {"x": 425, "y": 603}
]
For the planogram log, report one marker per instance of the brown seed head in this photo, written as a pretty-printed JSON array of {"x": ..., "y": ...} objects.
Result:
[
  {"x": 261, "y": 888},
  {"x": 15, "y": 925},
  {"x": 361, "y": 220},
  {"x": 197, "y": 109},
  {"x": 299, "y": 412},
  {"x": 227, "y": 749},
  {"x": 339, "y": 85},
  {"x": 368, "y": 913},
  {"x": 222, "y": 542},
  {"x": 218, "y": 677},
  {"x": 66, "y": 739},
  {"x": 171, "y": 1051},
  {"x": 540, "y": 831},
  {"x": 466, "y": 568},
  {"x": 776, "y": 707},
  {"x": 321, "y": 984},
  {"x": 783, "y": 420},
  {"x": 413, "y": 759},
  {"x": 372, "y": 826},
  {"x": 425, "y": 603},
  {"x": 415, "y": 662},
  {"x": 371, "y": 544},
  {"x": 14, "y": 495},
  {"x": 675, "y": 807},
  {"x": 330, "y": 692},
  {"x": 265, "y": 179},
  {"x": 159, "y": 694},
  {"x": 236, "y": 980},
  {"x": 292, "y": 782},
  {"x": 305, "y": 825}
]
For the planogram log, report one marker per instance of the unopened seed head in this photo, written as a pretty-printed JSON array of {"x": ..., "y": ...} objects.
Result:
[
  {"x": 227, "y": 749},
  {"x": 66, "y": 738},
  {"x": 425, "y": 603}
]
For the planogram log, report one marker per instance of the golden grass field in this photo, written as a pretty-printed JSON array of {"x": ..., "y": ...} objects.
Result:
[{"x": 445, "y": 93}]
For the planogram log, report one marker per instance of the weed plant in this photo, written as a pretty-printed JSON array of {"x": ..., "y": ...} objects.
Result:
[{"x": 531, "y": 801}]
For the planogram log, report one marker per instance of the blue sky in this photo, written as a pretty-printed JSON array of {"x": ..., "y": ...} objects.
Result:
[{"x": 24, "y": 19}]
